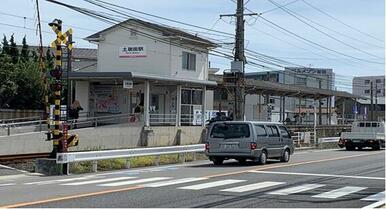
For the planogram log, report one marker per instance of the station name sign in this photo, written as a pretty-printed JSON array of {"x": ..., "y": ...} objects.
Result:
[{"x": 132, "y": 51}]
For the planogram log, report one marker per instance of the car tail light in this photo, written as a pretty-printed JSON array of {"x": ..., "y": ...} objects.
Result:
[
  {"x": 253, "y": 146},
  {"x": 207, "y": 146}
]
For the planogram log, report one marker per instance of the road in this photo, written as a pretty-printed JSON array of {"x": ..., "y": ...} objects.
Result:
[{"x": 323, "y": 178}]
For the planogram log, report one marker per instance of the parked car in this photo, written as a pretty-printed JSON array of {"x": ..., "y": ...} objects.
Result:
[
  {"x": 243, "y": 141},
  {"x": 364, "y": 134}
]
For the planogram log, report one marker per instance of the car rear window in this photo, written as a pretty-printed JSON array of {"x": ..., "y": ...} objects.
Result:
[{"x": 226, "y": 130}]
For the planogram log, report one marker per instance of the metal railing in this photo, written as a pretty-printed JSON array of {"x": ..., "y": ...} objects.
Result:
[
  {"x": 94, "y": 156},
  {"x": 163, "y": 119},
  {"x": 7, "y": 129}
]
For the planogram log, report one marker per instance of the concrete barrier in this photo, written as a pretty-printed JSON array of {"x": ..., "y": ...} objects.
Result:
[{"x": 105, "y": 137}]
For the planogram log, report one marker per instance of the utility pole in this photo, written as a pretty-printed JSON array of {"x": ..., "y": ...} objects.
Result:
[
  {"x": 237, "y": 66},
  {"x": 372, "y": 101},
  {"x": 69, "y": 83},
  {"x": 376, "y": 101}
]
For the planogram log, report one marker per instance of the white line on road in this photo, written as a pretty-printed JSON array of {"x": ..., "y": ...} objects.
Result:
[
  {"x": 252, "y": 187},
  {"x": 98, "y": 181},
  {"x": 3, "y": 185},
  {"x": 317, "y": 174},
  {"x": 375, "y": 205},
  {"x": 375, "y": 197},
  {"x": 63, "y": 180},
  {"x": 296, "y": 189},
  {"x": 339, "y": 192},
  {"x": 212, "y": 184},
  {"x": 173, "y": 182},
  {"x": 122, "y": 183}
]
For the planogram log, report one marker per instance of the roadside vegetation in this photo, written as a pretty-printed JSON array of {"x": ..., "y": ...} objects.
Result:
[{"x": 135, "y": 162}]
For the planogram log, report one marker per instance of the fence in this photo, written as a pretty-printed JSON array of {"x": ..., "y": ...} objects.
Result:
[{"x": 13, "y": 114}]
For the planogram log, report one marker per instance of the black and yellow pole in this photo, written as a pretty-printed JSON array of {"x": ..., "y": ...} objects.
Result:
[{"x": 57, "y": 86}]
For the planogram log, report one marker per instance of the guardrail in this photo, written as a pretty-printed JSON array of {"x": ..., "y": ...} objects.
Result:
[
  {"x": 94, "y": 156},
  {"x": 328, "y": 139}
]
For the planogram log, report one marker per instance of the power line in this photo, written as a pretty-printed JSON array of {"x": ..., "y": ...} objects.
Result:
[
  {"x": 317, "y": 44},
  {"x": 276, "y": 8},
  {"x": 156, "y": 16},
  {"x": 343, "y": 23},
  {"x": 330, "y": 29},
  {"x": 293, "y": 14}
]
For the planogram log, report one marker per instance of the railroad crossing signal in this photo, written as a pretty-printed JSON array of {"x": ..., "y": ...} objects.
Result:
[{"x": 58, "y": 135}]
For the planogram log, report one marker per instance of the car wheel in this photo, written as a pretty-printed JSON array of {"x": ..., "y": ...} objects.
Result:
[
  {"x": 263, "y": 158},
  {"x": 285, "y": 157},
  {"x": 349, "y": 148},
  {"x": 218, "y": 161}
]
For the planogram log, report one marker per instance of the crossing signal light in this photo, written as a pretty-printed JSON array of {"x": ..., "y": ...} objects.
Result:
[
  {"x": 57, "y": 86},
  {"x": 56, "y": 73}
]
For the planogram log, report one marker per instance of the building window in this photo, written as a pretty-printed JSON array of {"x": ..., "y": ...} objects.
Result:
[
  {"x": 367, "y": 81},
  {"x": 188, "y": 61},
  {"x": 271, "y": 101},
  {"x": 379, "y": 91},
  {"x": 378, "y": 81},
  {"x": 367, "y": 91}
]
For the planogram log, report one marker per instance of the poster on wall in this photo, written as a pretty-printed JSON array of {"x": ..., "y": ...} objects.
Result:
[
  {"x": 132, "y": 51},
  {"x": 209, "y": 114},
  {"x": 106, "y": 100}
]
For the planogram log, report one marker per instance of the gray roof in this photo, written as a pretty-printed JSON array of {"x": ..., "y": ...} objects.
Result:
[
  {"x": 166, "y": 31},
  {"x": 77, "y": 53}
]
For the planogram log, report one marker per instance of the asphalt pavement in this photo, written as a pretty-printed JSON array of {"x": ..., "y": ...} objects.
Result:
[{"x": 312, "y": 179}]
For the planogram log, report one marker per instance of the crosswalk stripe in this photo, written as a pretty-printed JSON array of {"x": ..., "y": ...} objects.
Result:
[
  {"x": 375, "y": 197},
  {"x": 63, "y": 180},
  {"x": 138, "y": 181},
  {"x": 98, "y": 181},
  {"x": 10, "y": 184},
  {"x": 339, "y": 192},
  {"x": 296, "y": 189},
  {"x": 251, "y": 187},
  {"x": 173, "y": 182},
  {"x": 212, "y": 184}
]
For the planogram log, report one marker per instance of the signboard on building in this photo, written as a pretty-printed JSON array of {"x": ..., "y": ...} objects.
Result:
[
  {"x": 127, "y": 84},
  {"x": 132, "y": 51}
]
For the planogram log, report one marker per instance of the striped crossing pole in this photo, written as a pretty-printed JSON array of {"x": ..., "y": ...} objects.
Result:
[{"x": 57, "y": 86}]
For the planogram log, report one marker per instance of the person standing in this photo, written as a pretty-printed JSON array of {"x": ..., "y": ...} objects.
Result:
[{"x": 74, "y": 111}]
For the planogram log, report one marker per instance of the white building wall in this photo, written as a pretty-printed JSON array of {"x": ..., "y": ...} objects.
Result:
[{"x": 161, "y": 58}]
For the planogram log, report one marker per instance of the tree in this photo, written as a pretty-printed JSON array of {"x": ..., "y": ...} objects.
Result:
[
  {"x": 5, "y": 44},
  {"x": 49, "y": 59},
  {"x": 13, "y": 50},
  {"x": 8, "y": 86},
  {"x": 24, "y": 54},
  {"x": 30, "y": 92}
]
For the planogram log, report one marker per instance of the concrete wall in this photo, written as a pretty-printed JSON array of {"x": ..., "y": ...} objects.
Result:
[
  {"x": 105, "y": 137},
  {"x": 161, "y": 58}
]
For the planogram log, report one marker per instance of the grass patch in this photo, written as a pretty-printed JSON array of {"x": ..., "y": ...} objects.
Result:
[{"x": 135, "y": 162}]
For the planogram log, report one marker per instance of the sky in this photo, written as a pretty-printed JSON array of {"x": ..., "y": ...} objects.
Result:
[{"x": 263, "y": 37}]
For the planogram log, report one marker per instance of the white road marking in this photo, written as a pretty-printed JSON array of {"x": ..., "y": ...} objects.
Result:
[
  {"x": 317, "y": 174},
  {"x": 63, "y": 180},
  {"x": 296, "y": 189},
  {"x": 375, "y": 197},
  {"x": 10, "y": 184},
  {"x": 339, "y": 192},
  {"x": 138, "y": 181},
  {"x": 252, "y": 187},
  {"x": 173, "y": 182},
  {"x": 375, "y": 205},
  {"x": 212, "y": 184},
  {"x": 98, "y": 181}
]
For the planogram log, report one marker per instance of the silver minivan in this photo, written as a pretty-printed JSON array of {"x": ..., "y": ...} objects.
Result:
[{"x": 245, "y": 140}]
